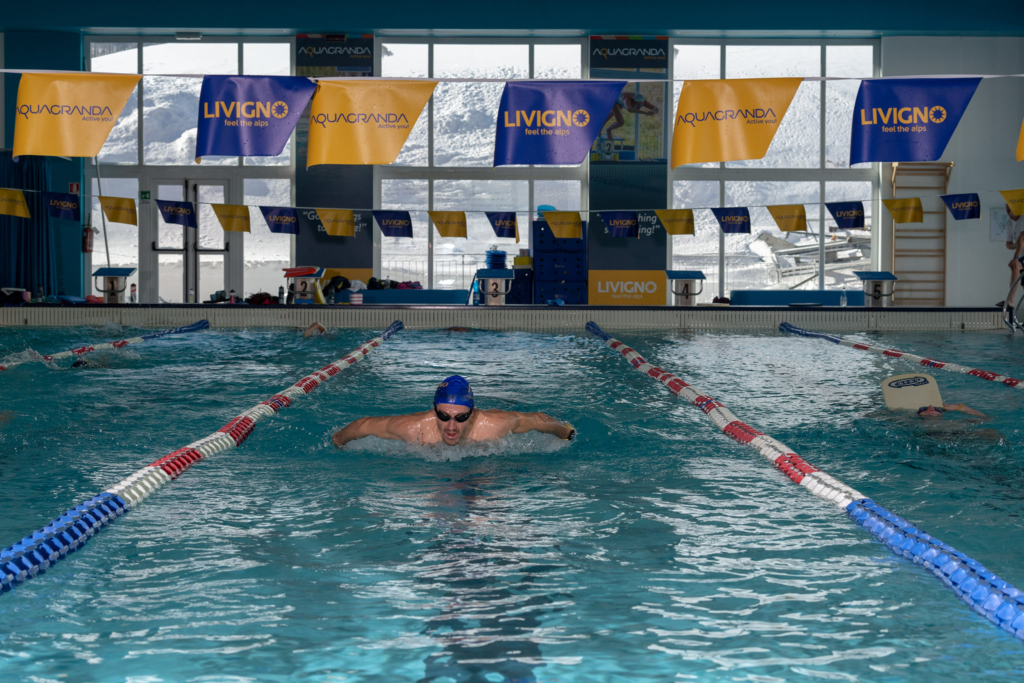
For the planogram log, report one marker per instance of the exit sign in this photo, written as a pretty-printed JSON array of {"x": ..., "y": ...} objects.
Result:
[{"x": 145, "y": 194}]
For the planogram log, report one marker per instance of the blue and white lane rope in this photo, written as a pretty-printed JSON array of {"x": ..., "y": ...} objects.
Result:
[
  {"x": 893, "y": 353},
  {"x": 194, "y": 327},
  {"x": 989, "y": 595},
  {"x": 39, "y": 551}
]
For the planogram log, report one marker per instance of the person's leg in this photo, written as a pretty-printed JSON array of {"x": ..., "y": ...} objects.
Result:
[
  {"x": 619, "y": 120},
  {"x": 1015, "y": 269}
]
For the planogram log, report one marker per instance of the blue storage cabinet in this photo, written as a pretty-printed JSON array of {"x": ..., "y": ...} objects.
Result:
[
  {"x": 559, "y": 266},
  {"x": 521, "y": 291}
]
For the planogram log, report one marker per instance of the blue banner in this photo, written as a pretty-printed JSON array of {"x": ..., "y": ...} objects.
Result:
[
  {"x": 394, "y": 223},
  {"x": 249, "y": 115},
  {"x": 503, "y": 222},
  {"x": 177, "y": 213},
  {"x": 620, "y": 223},
  {"x": 963, "y": 206},
  {"x": 908, "y": 119},
  {"x": 733, "y": 219},
  {"x": 553, "y": 122},
  {"x": 281, "y": 219},
  {"x": 63, "y": 205},
  {"x": 847, "y": 215}
]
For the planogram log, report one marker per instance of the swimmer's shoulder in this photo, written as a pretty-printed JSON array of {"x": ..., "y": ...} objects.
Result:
[{"x": 412, "y": 426}]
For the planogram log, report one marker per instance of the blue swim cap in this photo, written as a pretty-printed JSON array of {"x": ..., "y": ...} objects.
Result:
[{"x": 454, "y": 390}]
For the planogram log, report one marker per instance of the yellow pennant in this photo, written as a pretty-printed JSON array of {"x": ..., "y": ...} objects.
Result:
[
  {"x": 789, "y": 217},
  {"x": 232, "y": 217},
  {"x": 676, "y": 221},
  {"x": 565, "y": 225},
  {"x": 1020, "y": 143},
  {"x": 449, "y": 223},
  {"x": 119, "y": 210},
  {"x": 338, "y": 222},
  {"x": 905, "y": 210},
  {"x": 729, "y": 120},
  {"x": 12, "y": 203},
  {"x": 68, "y": 115},
  {"x": 363, "y": 122},
  {"x": 1014, "y": 200}
]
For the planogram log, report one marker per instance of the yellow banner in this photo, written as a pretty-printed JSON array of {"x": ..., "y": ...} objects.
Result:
[
  {"x": 676, "y": 221},
  {"x": 1014, "y": 200},
  {"x": 363, "y": 122},
  {"x": 12, "y": 203},
  {"x": 626, "y": 288},
  {"x": 729, "y": 120},
  {"x": 565, "y": 225},
  {"x": 68, "y": 115},
  {"x": 338, "y": 222},
  {"x": 789, "y": 217},
  {"x": 449, "y": 223},
  {"x": 119, "y": 210},
  {"x": 905, "y": 210},
  {"x": 1020, "y": 143},
  {"x": 232, "y": 217}
]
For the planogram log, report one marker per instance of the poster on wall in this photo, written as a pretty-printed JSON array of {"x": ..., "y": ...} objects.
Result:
[{"x": 628, "y": 159}]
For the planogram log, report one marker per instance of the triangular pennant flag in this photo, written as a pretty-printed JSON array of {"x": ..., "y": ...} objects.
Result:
[
  {"x": 68, "y": 115},
  {"x": 281, "y": 219},
  {"x": 449, "y": 223},
  {"x": 504, "y": 223},
  {"x": 620, "y": 223},
  {"x": 394, "y": 223},
  {"x": 676, "y": 221},
  {"x": 232, "y": 217},
  {"x": 963, "y": 206},
  {"x": 564, "y": 225},
  {"x": 12, "y": 203},
  {"x": 733, "y": 219},
  {"x": 847, "y": 215},
  {"x": 177, "y": 213},
  {"x": 63, "y": 205},
  {"x": 789, "y": 217},
  {"x": 363, "y": 122},
  {"x": 119, "y": 210},
  {"x": 338, "y": 222},
  {"x": 907, "y": 210},
  {"x": 1014, "y": 200}
]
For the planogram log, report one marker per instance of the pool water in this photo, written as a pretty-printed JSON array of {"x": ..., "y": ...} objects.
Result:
[{"x": 653, "y": 548}]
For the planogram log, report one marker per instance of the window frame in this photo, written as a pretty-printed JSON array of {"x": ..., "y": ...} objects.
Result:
[
  {"x": 821, "y": 174},
  {"x": 431, "y": 173},
  {"x": 149, "y": 176}
]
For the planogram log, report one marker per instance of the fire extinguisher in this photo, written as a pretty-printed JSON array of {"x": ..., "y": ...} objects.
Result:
[{"x": 87, "y": 237}]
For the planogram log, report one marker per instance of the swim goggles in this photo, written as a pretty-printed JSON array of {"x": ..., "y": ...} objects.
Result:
[
  {"x": 444, "y": 417},
  {"x": 924, "y": 408}
]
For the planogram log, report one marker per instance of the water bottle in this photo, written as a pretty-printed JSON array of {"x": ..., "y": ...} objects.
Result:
[
  {"x": 280, "y": 294},
  {"x": 842, "y": 297},
  {"x": 191, "y": 295},
  {"x": 231, "y": 297},
  {"x": 476, "y": 292}
]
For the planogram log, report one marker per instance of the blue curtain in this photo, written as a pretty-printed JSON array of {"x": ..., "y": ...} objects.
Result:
[{"x": 28, "y": 253}]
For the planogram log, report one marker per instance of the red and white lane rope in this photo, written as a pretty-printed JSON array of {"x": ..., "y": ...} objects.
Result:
[
  {"x": 893, "y": 353},
  {"x": 782, "y": 456},
  {"x": 38, "y": 551},
  {"x": 82, "y": 350}
]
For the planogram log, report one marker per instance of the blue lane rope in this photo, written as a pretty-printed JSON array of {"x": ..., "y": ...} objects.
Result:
[{"x": 986, "y": 593}]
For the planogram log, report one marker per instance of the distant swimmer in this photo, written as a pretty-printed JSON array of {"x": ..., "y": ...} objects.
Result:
[
  {"x": 456, "y": 329},
  {"x": 936, "y": 412},
  {"x": 453, "y": 420},
  {"x": 919, "y": 392},
  {"x": 314, "y": 330}
]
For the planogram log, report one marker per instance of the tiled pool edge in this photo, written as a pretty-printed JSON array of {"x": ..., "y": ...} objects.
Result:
[{"x": 569, "y": 319}]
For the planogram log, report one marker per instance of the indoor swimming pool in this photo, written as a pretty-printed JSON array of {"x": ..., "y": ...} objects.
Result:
[{"x": 652, "y": 548}]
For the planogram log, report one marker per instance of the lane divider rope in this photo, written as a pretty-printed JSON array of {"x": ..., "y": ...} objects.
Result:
[
  {"x": 893, "y": 353},
  {"x": 194, "y": 327},
  {"x": 985, "y": 592},
  {"x": 38, "y": 551}
]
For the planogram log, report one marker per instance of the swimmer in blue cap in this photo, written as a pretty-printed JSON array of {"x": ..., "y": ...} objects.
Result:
[{"x": 454, "y": 419}]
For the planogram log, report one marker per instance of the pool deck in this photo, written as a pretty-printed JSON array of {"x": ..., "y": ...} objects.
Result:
[{"x": 509, "y": 318}]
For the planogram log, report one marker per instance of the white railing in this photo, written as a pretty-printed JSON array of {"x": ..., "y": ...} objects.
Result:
[{"x": 454, "y": 271}]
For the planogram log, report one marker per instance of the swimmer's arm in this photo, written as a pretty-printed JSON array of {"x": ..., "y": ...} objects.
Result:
[
  {"x": 314, "y": 329},
  {"x": 966, "y": 410},
  {"x": 381, "y": 427},
  {"x": 539, "y": 422}
]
